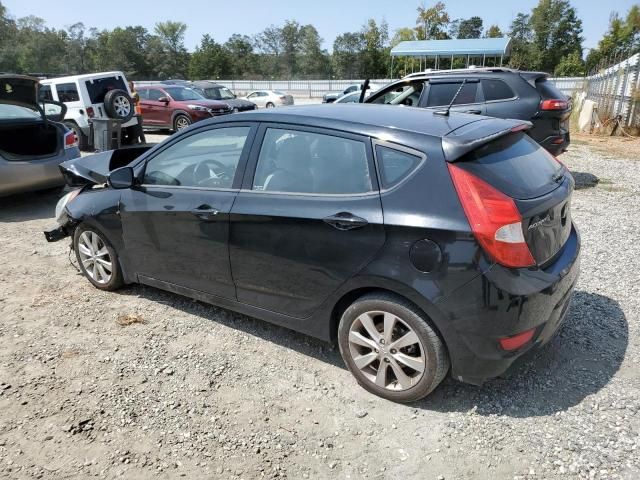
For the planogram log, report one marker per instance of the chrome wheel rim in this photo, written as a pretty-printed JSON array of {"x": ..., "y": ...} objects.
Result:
[
  {"x": 235, "y": 110},
  {"x": 94, "y": 257},
  {"x": 122, "y": 106},
  {"x": 270, "y": 105},
  {"x": 386, "y": 350},
  {"x": 181, "y": 123}
]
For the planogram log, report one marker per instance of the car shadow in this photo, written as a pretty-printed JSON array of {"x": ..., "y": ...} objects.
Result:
[
  {"x": 579, "y": 361},
  {"x": 23, "y": 207},
  {"x": 584, "y": 180}
]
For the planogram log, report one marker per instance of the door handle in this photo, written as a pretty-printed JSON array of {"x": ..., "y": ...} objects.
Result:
[
  {"x": 474, "y": 112},
  {"x": 345, "y": 221},
  {"x": 205, "y": 212}
]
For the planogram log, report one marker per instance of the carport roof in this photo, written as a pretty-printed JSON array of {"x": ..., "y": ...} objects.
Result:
[{"x": 456, "y": 47}]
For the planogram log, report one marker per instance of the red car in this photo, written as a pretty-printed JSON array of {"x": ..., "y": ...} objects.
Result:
[{"x": 176, "y": 107}]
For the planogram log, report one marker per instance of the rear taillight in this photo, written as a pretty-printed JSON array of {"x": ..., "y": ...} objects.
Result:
[
  {"x": 517, "y": 341},
  {"x": 494, "y": 218},
  {"x": 554, "y": 105},
  {"x": 90, "y": 112},
  {"x": 70, "y": 139}
]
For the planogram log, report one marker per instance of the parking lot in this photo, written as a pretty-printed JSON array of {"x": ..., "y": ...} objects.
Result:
[{"x": 142, "y": 383}]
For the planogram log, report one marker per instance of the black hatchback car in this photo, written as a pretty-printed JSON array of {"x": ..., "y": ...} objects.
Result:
[
  {"x": 496, "y": 92},
  {"x": 422, "y": 243}
]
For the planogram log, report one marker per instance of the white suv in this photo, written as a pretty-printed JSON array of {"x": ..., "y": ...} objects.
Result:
[{"x": 95, "y": 95}]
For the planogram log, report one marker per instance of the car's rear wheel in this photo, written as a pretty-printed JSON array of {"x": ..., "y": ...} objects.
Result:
[
  {"x": 119, "y": 105},
  {"x": 391, "y": 349},
  {"x": 181, "y": 122},
  {"x": 270, "y": 105},
  {"x": 97, "y": 258}
]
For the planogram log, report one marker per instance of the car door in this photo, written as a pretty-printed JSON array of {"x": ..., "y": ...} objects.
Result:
[
  {"x": 155, "y": 112},
  {"x": 259, "y": 98},
  {"x": 176, "y": 223},
  {"x": 468, "y": 97},
  {"x": 307, "y": 219}
]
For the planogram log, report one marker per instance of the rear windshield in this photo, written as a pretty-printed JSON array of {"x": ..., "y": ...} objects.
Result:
[
  {"x": 99, "y": 87},
  {"x": 548, "y": 90},
  {"x": 515, "y": 165}
]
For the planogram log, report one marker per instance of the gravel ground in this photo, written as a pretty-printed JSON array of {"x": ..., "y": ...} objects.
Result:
[{"x": 144, "y": 384}]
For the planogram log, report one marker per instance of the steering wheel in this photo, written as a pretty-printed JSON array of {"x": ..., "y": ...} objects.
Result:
[{"x": 210, "y": 173}]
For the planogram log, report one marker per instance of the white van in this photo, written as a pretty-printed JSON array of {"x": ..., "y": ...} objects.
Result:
[{"x": 93, "y": 95}]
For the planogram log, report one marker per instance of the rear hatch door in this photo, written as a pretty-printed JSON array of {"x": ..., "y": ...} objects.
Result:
[{"x": 540, "y": 185}]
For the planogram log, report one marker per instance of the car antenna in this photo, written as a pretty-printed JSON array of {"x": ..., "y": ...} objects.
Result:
[{"x": 445, "y": 113}]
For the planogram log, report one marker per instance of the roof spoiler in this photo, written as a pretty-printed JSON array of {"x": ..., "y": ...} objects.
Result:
[
  {"x": 532, "y": 77},
  {"x": 473, "y": 135}
]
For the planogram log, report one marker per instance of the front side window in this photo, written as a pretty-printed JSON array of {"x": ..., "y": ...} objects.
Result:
[
  {"x": 67, "y": 92},
  {"x": 304, "y": 162},
  {"x": 156, "y": 95},
  {"x": 404, "y": 94},
  {"x": 207, "y": 159},
  {"x": 496, "y": 90},
  {"x": 442, "y": 93},
  {"x": 44, "y": 94},
  {"x": 395, "y": 165}
]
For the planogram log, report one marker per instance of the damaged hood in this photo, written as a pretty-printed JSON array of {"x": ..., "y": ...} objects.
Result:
[{"x": 94, "y": 169}]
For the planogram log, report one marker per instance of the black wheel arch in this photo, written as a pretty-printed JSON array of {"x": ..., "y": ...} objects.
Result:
[{"x": 175, "y": 114}]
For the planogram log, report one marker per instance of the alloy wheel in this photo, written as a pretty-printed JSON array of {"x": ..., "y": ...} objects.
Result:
[
  {"x": 386, "y": 350},
  {"x": 94, "y": 256},
  {"x": 181, "y": 123},
  {"x": 122, "y": 106}
]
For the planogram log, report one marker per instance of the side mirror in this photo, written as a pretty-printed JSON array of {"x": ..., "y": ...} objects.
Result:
[
  {"x": 54, "y": 111},
  {"x": 121, "y": 178},
  {"x": 164, "y": 99}
]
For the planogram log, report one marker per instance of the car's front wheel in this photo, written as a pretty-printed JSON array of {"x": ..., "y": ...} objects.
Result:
[
  {"x": 181, "y": 122},
  {"x": 270, "y": 105},
  {"x": 97, "y": 258},
  {"x": 391, "y": 349}
]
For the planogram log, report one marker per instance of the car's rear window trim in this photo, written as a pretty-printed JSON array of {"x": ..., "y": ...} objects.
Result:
[{"x": 400, "y": 148}]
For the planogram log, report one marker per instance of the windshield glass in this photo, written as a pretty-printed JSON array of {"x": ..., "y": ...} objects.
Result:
[
  {"x": 220, "y": 93},
  {"x": 182, "y": 93},
  {"x": 10, "y": 112}
]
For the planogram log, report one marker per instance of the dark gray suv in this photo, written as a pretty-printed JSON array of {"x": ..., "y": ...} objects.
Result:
[{"x": 496, "y": 92}]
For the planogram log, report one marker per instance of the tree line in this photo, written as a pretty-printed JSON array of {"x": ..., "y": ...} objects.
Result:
[{"x": 547, "y": 38}]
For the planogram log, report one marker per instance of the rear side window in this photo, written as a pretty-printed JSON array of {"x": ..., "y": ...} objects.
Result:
[
  {"x": 394, "y": 165},
  {"x": 155, "y": 95},
  {"x": 516, "y": 165},
  {"x": 548, "y": 90},
  {"x": 442, "y": 93},
  {"x": 67, "y": 92},
  {"x": 99, "y": 87},
  {"x": 303, "y": 162},
  {"x": 496, "y": 90},
  {"x": 143, "y": 93}
]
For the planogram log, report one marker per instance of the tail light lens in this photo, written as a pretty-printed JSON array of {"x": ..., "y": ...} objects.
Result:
[
  {"x": 494, "y": 218},
  {"x": 70, "y": 139},
  {"x": 516, "y": 341},
  {"x": 91, "y": 112},
  {"x": 554, "y": 104}
]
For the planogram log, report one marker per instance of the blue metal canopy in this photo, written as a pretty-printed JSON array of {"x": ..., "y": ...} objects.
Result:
[{"x": 455, "y": 47}]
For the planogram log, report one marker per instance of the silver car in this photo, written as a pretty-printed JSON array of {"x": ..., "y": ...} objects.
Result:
[{"x": 32, "y": 142}]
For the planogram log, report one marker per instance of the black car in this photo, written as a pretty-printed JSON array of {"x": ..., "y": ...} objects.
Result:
[
  {"x": 496, "y": 92},
  {"x": 422, "y": 243},
  {"x": 215, "y": 91}
]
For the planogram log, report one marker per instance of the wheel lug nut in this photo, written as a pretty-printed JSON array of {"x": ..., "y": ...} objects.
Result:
[
  {"x": 386, "y": 359},
  {"x": 382, "y": 341},
  {"x": 393, "y": 350}
]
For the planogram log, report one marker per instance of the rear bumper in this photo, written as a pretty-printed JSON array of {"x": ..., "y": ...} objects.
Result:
[
  {"x": 504, "y": 302},
  {"x": 556, "y": 144}
]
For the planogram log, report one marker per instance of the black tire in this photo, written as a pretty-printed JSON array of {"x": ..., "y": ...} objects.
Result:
[
  {"x": 119, "y": 105},
  {"x": 181, "y": 121},
  {"x": 115, "y": 280},
  {"x": 83, "y": 140},
  {"x": 436, "y": 360},
  {"x": 269, "y": 105}
]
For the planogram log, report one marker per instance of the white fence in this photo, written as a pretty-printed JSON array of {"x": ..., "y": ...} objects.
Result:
[{"x": 616, "y": 90}]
